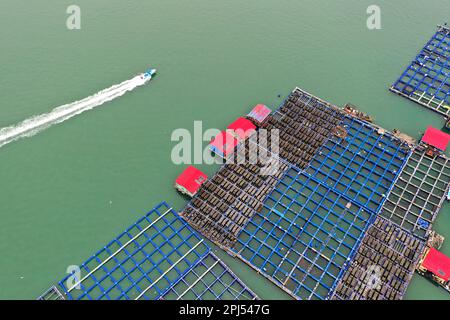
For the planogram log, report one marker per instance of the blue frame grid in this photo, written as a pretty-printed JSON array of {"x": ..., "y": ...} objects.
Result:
[
  {"x": 313, "y": 221},
  {"x": 394, "y": 251},
  {"x": 144, "y": 262},
  {"x": 304, "y": 236},
  {"x": 363, "y": 167},
  {"x": 427, "y": 78},
  {"x": 418, "y": 193},
  {"x": 209, "y": 279}
]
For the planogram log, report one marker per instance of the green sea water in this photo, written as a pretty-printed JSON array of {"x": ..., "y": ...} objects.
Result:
[{"x": 70, "y": 189}]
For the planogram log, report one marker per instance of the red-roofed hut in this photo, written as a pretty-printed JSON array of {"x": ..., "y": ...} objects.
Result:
[
  {"x": 190, "y": 181},
  {"x": 241, "y": 129},
  {"x": 436, "y": 138}
]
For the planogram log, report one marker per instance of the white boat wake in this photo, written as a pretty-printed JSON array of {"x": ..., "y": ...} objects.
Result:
[{"x": 36, "y": 124}]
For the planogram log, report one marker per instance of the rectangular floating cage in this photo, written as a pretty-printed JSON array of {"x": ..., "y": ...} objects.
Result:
[
  {"x": 224, "y": 204},
  {"x": 304, "y": 229},
  {"x": 427, "y": 79},
  {"x": 418, "y": 193},
  {"x": 304, "y": 123},
  {"x": 363, "y": 166},
  {"x": 228, "y": 200},
  {"x": 383, "y": 265},
  {"x": 51, "y": 294},
  {"x": 306, "y": 224},
  {"x": 304, "y": 236},
  {"x": 209, "y": 279},
  {"x": 150, "y": 260}
]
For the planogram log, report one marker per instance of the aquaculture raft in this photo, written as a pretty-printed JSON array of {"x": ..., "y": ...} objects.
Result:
[
  {"x": 190, "y": 180},
  {"x": 383, "y": 266},
  {"x": 419, "y": 192},
  {"x": 427, "y": 79},
  {"x": 436, "y": 266},
  {"x": 159, "y": 257},
  {"x": 313, "y": 226}
]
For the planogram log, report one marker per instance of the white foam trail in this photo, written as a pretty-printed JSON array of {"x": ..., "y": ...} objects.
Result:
[{"x": 36, "y": 124}]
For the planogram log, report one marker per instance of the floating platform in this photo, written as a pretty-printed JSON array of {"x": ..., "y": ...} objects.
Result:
[
  {"x": 314, "y": 219},
  {"x": 259, "y": 113},
  {"x": 304, "y": 122},
  {"x": 52, "y": 293},
  {"x": 362, "y": 166},
  {"x": 419, "y": 192},
  {"x": 303, "y": 236},
  {"x": 383, "y": 266},
  {"x": 426, "y": 81},
  {"x": 223, "y": 144},
  {"x": 158, "y": 257},
  {"x": 436, "y": 138},
  {"x": 227, "y": 201},
  {"x": 241, "y": 128},
  {"x": 436, "y": 266},
  {"x": 190, "y": 181},
  {"x": 310, "y": 226}
]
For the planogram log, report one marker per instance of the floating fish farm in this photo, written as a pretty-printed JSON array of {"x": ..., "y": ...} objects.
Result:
[
  {"x": 159, "y": 257},
  {"x": 427, "y": 79},
  {"x": 339, "y": 208},
  {"x": 383, "y": 266},
  {"x": 418, "y": 193},
  {"x": 347, "y": 214}
]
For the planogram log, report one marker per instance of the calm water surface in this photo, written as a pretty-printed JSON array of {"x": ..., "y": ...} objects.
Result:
[{"x": 69, "y": 190}]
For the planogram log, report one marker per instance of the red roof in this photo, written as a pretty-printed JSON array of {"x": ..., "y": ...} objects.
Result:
[
  {"x": 260, "y": 112},
  {"x": 437, "y": 263},
  {"x": 436, "y": 138},
  {"x": 191, "y": 179},
  {"x": 241, "y": 128},
  {"x": 223, "y": 144}
]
